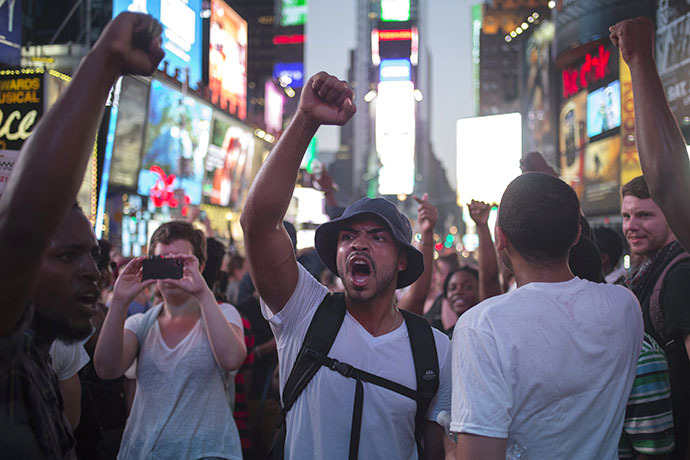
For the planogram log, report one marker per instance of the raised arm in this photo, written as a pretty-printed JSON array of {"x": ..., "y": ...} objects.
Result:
[
  {"x": 413, "y": 300},
  {"x": 50, "y": 168},
  {"x": 272, "y": 263},
  {"x": 660, "y": 143},
  {"x": 117, "y": 347},
  {"x": 489, "y": 283}
]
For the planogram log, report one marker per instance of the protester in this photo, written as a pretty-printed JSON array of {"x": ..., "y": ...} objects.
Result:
[
  {"x": 185, "y": 349},
  {"x": 461, "y": 291},
  {"x": 48, "y": 246},
  {"x": 660, "y": 143},
  {"x": 611, "y": 249},
  {"x": 662, "y": 285},
  {"x": 369, "y": 247},
  {"x": 512, "y": 391},
  {"x": 489, "y": 283}
]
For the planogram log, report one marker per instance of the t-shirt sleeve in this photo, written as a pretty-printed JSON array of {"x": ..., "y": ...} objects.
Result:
[
  {"x": 482, "y": 399},
  {"x": 299, "y": 308},
  {"x": 648, "y": 425},
  {"x": 133, "y": 322},
  {"x": 441, "y": 401},
  {"x": 676, "y": 300},
  {"x": 231, "y": 314},
  {"x": 68, "y": 359}
]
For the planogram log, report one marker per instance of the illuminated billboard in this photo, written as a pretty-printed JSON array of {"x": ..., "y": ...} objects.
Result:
[
  {"x": 604, "y": 109},
  {"x": 11, "y": 32},
  {"x": 572, "y": 140},
  {"x": 129, "y": 134},
  {"x": 289, "y": 73},
  {"x": 395, "y": 70},
  {"x": 274, "y": 100},
  {"x": 395, "y": 137},
  {"x": 293, "y": 12},
  {"x": 182, "y": 34},
  {"x": 488, "y": 156},
  {"x": 21, "y": 105},
  {"x": 602, "y": 177},
  {"x": 228, "y": 164},
  {"x": 395, "y": 10},
  {"x": 227, "y": 59},
  {"x": 175, "y": 144}
]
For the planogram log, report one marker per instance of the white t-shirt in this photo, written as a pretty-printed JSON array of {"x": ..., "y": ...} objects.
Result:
[
  {"x": 548, "y": 366},
  {"x": 68, "y": 359},
  {"x": 319, "y": 423},
  {"x": 180, "y": 410}
]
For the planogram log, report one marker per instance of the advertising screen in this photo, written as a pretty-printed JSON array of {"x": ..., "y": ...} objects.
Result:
[
  {"x": 227, "y": 59},
  {"x": 293, "y": 12},
  {"x": 395, "y": 70},
  {"x": 129, "y": 133},
  {"x": 291, "y": 73},
  {"x": 572, "y": 139},
  {"x": 395, "y": 136},
  {"x": 182, "y": 34},
  {"x": 11, "y": 32},
  {"x": 488, "y": 156},
  {"x": 21, "y": 105},
  {"x": 228, "y": 165},
  {"x": 602, "y": 174},
  {"x": 673, "y": 56},
  {"x": 175, "y": 144},
  {"x": 274, "y": 100},
  {"x": 604, "y": 109},
  {"x": 395, "y": 10}
]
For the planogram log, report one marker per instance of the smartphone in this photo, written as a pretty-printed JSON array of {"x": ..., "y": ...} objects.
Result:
[{"x": 156, "y": 268}]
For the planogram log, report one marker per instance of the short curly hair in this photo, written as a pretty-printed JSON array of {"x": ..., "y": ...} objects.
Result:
[{"x": 180, "y": 230}]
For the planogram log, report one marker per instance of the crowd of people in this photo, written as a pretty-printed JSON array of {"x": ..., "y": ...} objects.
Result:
[{"x": 364, "y": 347}]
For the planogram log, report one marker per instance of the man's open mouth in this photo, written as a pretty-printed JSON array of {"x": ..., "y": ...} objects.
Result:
[{"x": 360, "y": 270}]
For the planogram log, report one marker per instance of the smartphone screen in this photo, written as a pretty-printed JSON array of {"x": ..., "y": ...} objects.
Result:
[{"x": 157, "y": 268}]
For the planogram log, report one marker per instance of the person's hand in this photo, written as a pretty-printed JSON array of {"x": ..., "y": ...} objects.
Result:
[
  {"x": 534, "y": 162},
  {"x": 634, "y": 38},
  {"x": 327, "y": 100},
  {"x": 133, "y": 43},
  {"x": 129, "y": 282},
  {"x": 479, "y": 212},
  {"x": 325, "y": 182},
  {"x": 427, "y": 214},
  {"x": 192, "y": 281}
]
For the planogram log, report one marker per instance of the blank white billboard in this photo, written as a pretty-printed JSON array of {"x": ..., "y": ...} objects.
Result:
[
  {"x": 395, "y": 137},
  {"x": 488, "y": 156}
]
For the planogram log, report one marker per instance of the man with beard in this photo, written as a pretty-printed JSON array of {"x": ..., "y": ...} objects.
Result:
[
  {"x": 543, "y": 371},
  {"x": 369, "y": 247},
  {"x": 48, "y": 272},
  {"x": 663, "y": 275}
]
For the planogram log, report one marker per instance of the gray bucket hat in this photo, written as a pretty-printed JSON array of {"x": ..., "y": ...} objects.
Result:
[{"x": 326, "y": 237}]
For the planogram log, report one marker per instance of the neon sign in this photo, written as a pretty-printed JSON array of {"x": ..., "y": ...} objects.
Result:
[
  {"x": 593, "y": 69},
  {"x": 294, "y": 39},
  {"x": 163, "y": 192},
  {"x": 404, "y": 34}
]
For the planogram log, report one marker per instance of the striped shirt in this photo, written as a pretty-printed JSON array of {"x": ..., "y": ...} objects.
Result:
[{"x": 648, "y": 426}]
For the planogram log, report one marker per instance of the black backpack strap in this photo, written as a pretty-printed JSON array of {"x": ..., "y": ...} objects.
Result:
[
  {"x": 426, "y": 368},
  {"x": 320, "y": 336}
]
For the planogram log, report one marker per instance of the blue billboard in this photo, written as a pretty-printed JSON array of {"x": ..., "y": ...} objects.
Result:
[
  {"x": 11, "y": 32},
  {"x": 182, "y": 34},
  {"x": 290, "y": 73}
]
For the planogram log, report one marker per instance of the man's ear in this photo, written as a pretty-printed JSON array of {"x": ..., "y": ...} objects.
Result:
[
  {"x": 501, "y": 238},
  {"x": 402, "y": 260}
]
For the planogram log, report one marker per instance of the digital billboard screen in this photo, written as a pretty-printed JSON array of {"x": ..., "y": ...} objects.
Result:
[
  {"x": 228, "y": 165},
  {"x": 290, "y": 73},
  {"x": 227, "y": 59},
  {"x": 293, "y": 12},
  {"x": 182, "y": 33},
  {"x": 11, "y": 32},
  {"x": 175, "y": 143},
  {"x": 129, "y": 133},
  {"x": 604, "y": 109}
]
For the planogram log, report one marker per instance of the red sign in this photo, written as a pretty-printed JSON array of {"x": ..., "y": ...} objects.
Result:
[
  {"x": 163, "y": 193},
  {"x": 288, "y": 39},
  {"x": 593, "y": 69},
  {"x": 405, "y": 34}
]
